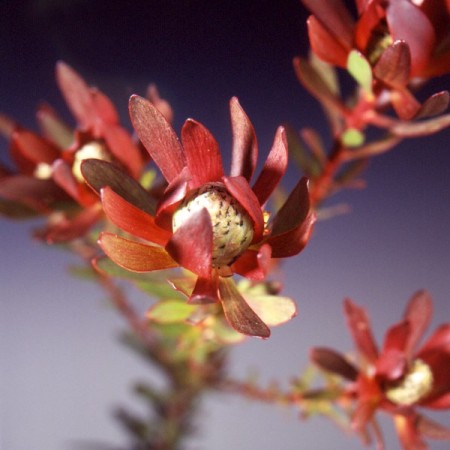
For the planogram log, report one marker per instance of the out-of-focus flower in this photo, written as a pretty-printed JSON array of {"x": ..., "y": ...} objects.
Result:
[
  {"x": 212, "y": 224},
  {"x": 49, "y": 164},
  {"x": 399, "y": 378},
  {"x": 402, "y": 40}
]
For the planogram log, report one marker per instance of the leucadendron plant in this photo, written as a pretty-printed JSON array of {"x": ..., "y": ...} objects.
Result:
[{"x": 141, "y": 207}]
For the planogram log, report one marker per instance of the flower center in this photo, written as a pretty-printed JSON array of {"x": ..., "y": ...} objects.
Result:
[
  {"x": 415, "y": 385},
  {"x": 94, "y": 149},
  {"x": 43, "y": 171},
  {"x": 231, "y": 225}
]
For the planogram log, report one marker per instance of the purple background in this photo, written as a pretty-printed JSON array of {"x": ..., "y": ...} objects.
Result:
[{"x": 62, "y": 370}]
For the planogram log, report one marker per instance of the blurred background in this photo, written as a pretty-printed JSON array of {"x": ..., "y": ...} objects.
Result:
[{"x": 62, "y": 369}]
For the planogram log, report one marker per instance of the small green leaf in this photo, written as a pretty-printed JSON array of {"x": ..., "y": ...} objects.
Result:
[
  {"x": 170, "y": 311},
  {"x": 352, "y": 138},
  {"x": 272, "y": 309},
  {"x": 360, "y": 69}
]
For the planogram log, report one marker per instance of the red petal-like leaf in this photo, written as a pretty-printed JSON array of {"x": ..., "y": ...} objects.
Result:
[
  {"x": 162, "y": 105},
  {"x": 76, "y": 94},
  {"x": 123, "y": 148},
  {"x": 408, "y": 432},
  {"x": 202, "y": 154},
  {"x": 173, "y": 195},
  {"x": 407, "y": 22},
  {"x": 63, "y": 177},
  {"x": 335, "y": 17},
  {"x": 394, "y": 65},
  {"x": 237, "y": 312},
  {"x": 432, "y": 429},
  {"x": 239, "y": 188},
  {"x": 104, "y": 108},
  {"x": 33, "y": 147},
  {"x": 135, "y": 256},
  {"x": 418, "y": 313},
  {"x": 274, "y": 167},
  {"x": 391, "y": 364},
  {"x": 191, "y": 245},
  {"x": 157, "y": 136},
  {"x": 325, "y": 44},
  {"x": 360, "y": 329},
  {"x": 245, "y": 147},
  {"x": 131, "y": 219},
  {"x": 68, "y": 229},
  {"x": 439, "y": 340},
  {"x": 206, "y": 290},
  {"x": 293, "y": 223},
  {"x": 252, "y": 264},
  {"x": 35, "y": 193},
  {"x": 99, "y": 174},
  {"x": 334, "y": 362}
]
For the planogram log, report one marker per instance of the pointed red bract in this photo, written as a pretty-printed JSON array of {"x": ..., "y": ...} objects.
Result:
[
  {"x": 274, "y": 168},
  {"x": 76, "y": 94},
  {"x": 359, "y": 325},
  {"x": 135, "y": 256},
  {"x": 335, "y": 17},
  {"x": 245, "y": 147},
  {"x": 418, "y": 314},
  {"x": 192, "y": 244},
  {"x": 157, "y": 136},
  {"x": 202, "y": 154},
  {"x": 132, "y": 219},
  {"x": 240, "y": 190},
  {"x": 292, "y": 225},
  {"x": 325, "y": 45}
]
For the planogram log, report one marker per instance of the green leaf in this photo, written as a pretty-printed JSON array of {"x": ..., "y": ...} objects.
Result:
[
  {"x": 170, "y": 311},
  {"x": 272, "y": 309},
  {"x": 360, "y": 69},
  {"x": 352, "y": 137}
]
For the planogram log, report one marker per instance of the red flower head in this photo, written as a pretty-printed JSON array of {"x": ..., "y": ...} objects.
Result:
[
  {"x": 49, "y": 165},
  {"x": 207, "y": 222},
  {"x": 401, "y": 40},
  {"x": 401, "y": 376}
]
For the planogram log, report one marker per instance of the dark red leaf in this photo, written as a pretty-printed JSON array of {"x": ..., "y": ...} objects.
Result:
[
  {"x": 99, "y": 174},
  {"x": 334, "y": 362},
  {"x": 237, "y": 312}
]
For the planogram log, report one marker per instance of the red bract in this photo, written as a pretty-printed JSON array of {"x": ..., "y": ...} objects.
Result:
[
  {"x": 207, "y": 222},
  {"x": 401, "y": 376},
  {"x": 401, "y": 41}
]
